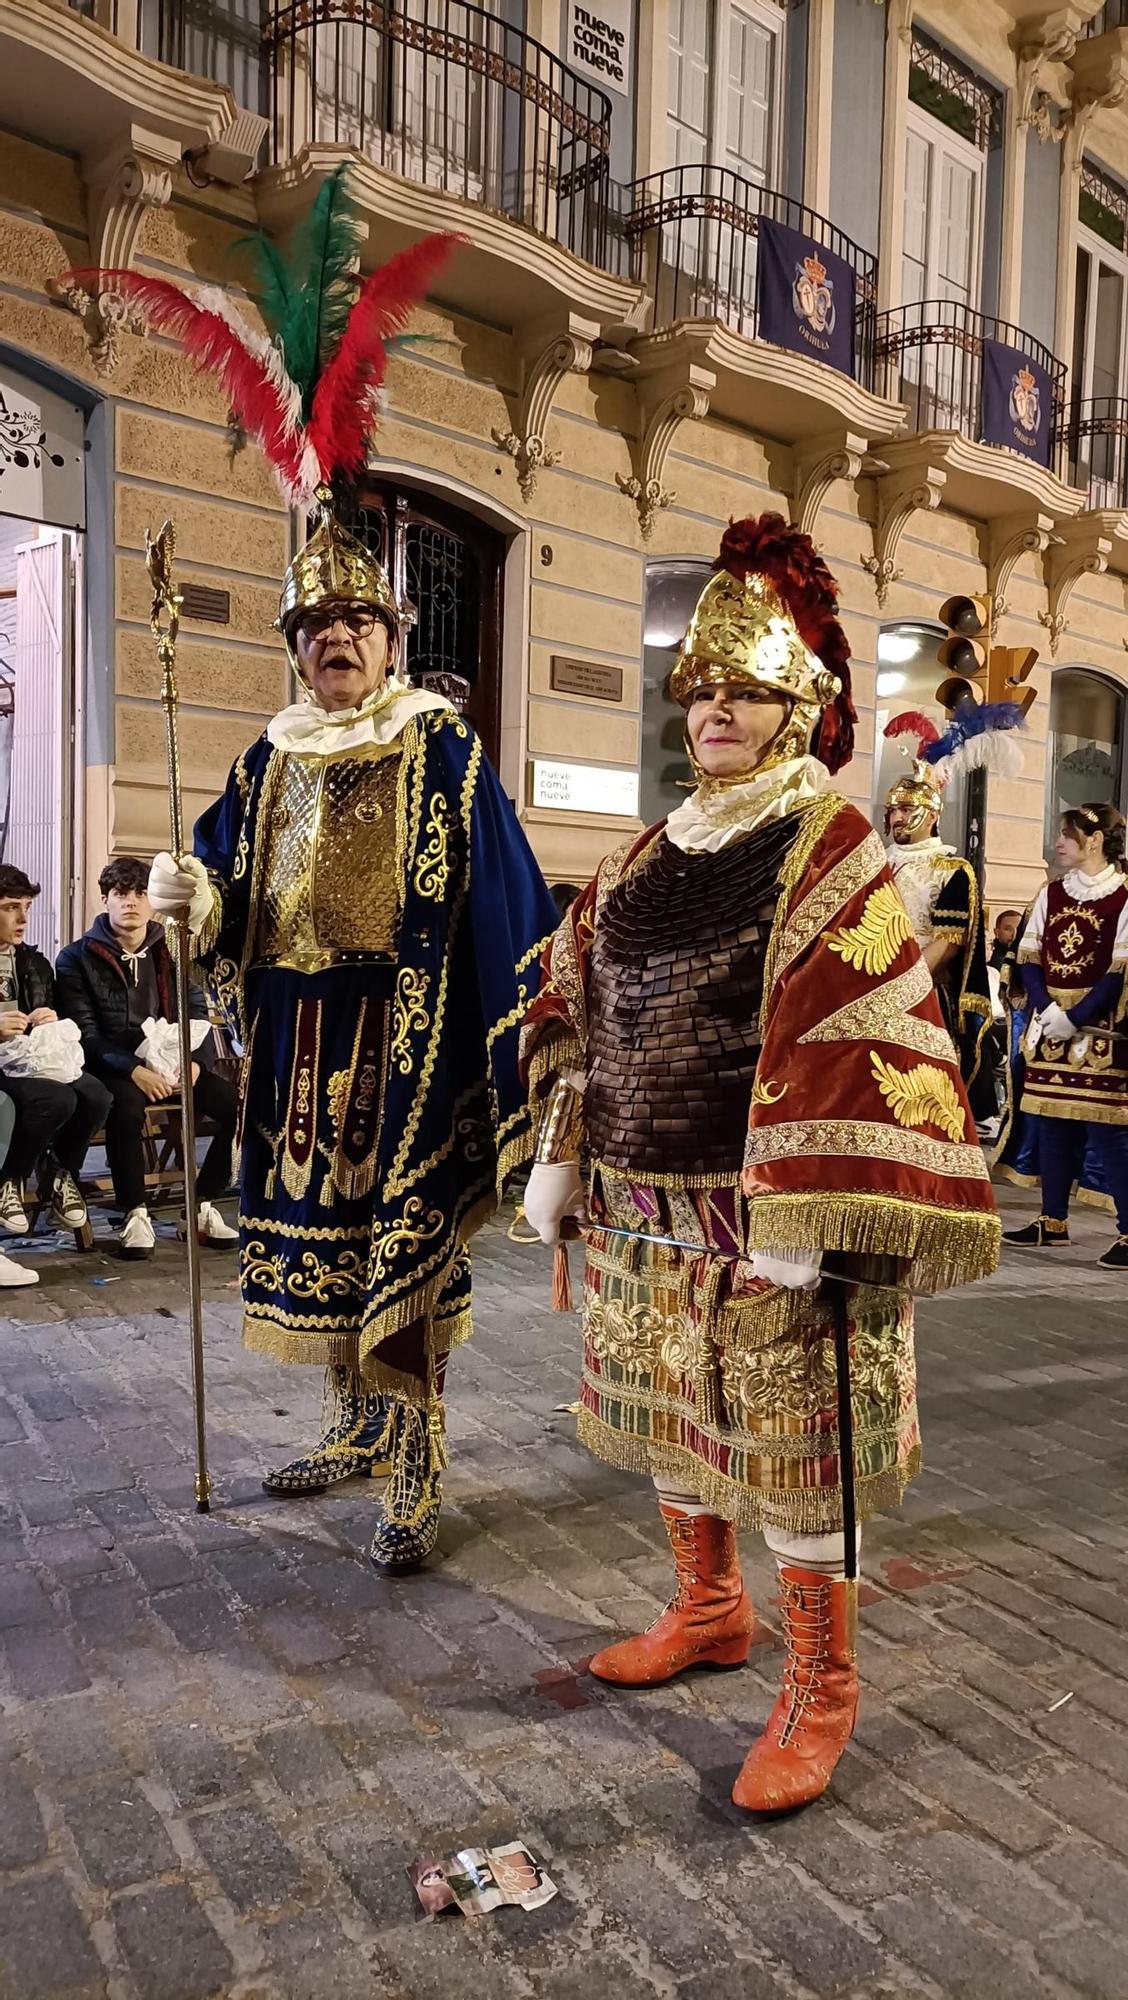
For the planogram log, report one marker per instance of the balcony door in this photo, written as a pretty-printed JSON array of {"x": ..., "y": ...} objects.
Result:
[
  {"x": 725, "y": 130},
  {"x": 1100, "y": 341},
  {"x": 446, "y": 569},
  {"x": 942, "y": 249}
]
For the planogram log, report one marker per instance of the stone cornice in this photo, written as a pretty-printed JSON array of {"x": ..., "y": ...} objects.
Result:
[
  {"x": 41, "y": 41},
  {"x": 803, "y": 398},
  {"x": 984, "y": 481}
]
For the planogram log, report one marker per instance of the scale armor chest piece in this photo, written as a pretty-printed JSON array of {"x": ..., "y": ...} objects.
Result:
[
  {"x": 676, "y": 988},
  {"x": 331, "y": 887}
]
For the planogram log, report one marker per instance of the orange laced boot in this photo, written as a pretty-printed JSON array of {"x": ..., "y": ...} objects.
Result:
[
  {"x": 813, "y": 1719},
  {"x": 709, "y": 1622}
]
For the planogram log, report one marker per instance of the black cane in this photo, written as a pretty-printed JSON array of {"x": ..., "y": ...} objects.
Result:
[{"x": 845, "y": 1428}]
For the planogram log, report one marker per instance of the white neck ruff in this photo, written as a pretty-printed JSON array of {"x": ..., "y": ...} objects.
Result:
[
  {"x": 715, "y": 815},
  {"x": 306, "y": 730},
  {"x": 1090, "y": 888}
]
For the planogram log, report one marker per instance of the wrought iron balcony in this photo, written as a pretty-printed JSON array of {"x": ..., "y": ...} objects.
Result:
[
  {"x": 930, "y": 357},
  {"x": 1095, "y": 440},
  {"x": 444, "y": 94},
  {"x": 210, "y": 38},
  {"x": 1114, "y": 14},
  {"x": 696, "y": 230}
]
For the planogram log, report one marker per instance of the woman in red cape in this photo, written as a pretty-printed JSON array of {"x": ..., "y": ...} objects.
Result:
[{"x": 738, "y": 1038}]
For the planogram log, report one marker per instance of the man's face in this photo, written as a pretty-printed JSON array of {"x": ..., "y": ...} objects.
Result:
[
  {"x": 1006, "y": 928},
  {"x": 731, "y": 726},
  {"x": 902, "y": 830},
  {"x": 13, "y": 919},
  {"x": 129, "y": 910},
  {"x": 342, "y": 652}
]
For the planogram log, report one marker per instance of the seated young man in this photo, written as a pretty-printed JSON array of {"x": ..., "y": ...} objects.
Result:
[
  {"x": 111, "y": 982},
  {"x": 53, "y": 1123}
]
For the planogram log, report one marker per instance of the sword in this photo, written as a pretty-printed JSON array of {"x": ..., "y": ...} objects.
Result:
[
  {"x": 164, "y": 623},
  {"x": 841, "y": 1374}
]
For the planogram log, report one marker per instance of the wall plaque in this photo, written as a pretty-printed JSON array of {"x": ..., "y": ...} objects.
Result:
[
  {"x": 594, "y": 788},
  {"x": 588, "y": 677},
  {"x": 205, "y": 602}
]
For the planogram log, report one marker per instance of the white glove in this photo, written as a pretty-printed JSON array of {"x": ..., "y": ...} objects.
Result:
[
  {"x": 554, "y": 1191},
  {"x": 176, "y": 885},
  {"x": 798, "y": 1270},
  {"x": 1056, "y": 1023}
]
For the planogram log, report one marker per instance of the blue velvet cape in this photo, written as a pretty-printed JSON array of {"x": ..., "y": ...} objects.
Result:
[{"x": 475, "y": 916}]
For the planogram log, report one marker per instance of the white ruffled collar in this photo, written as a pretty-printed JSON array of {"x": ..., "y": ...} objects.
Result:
[
  {"x": 919, "y": 850},
  {"x": 306, "y": 730},
  {"x": 714, "y": 815},
  {"x": 1090, "y": 888}
]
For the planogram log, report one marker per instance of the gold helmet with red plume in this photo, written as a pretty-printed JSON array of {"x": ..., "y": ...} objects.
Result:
[{"x": 769, "y": 616}]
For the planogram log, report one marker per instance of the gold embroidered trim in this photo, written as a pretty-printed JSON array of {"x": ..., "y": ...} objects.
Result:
[
  {"x": 794, "y": 929},
  {"x": 872, "y": 944},
  {"x": 766, "y": 1091},
  {"x": 833, "y": 1138},
  {"x": 409, "y": 1014},
  {"x": 925, "y": 1095},
  {"x": 883, "y": 1015},
  {"x": 946, "y": 1246}
]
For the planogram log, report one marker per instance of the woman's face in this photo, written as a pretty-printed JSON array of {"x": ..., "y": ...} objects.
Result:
[
  {"x": 731, "y": 725},
  {"x": 1073, "y": 850}
]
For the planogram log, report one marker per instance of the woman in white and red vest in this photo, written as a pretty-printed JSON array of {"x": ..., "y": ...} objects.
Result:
[{"x": 1073, "y": 962}]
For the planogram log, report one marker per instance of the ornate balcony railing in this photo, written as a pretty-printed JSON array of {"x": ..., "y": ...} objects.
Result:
[
  {"x": 1095, "y": 440},
  {"x": 696, "y": 236},
  {"x": 930, "y": 357},
  {"x": 445, "y": 94},
  {"x": 1114, "y": 14},
  {"x": 216, "y": 39}
]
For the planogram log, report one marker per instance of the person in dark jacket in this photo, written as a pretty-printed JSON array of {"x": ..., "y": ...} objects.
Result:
[
  {"x": 111, "y": 982},
  {"x": 53, "y": 1123}
]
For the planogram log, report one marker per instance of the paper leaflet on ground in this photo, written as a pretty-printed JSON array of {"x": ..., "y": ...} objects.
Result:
[{"x": 479, "y": 1879}]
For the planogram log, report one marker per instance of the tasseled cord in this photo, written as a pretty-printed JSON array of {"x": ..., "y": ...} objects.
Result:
[{"x": 561, "y": 1279}]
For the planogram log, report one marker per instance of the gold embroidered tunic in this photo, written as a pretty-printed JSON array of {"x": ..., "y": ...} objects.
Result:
[{"x": 331, "y": 870}]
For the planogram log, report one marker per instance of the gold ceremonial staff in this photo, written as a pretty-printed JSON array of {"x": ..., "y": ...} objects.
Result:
[{"x": 164, "y": 623}]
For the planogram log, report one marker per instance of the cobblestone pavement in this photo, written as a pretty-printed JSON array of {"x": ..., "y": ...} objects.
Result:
[{"x": 222, "y": 1738}]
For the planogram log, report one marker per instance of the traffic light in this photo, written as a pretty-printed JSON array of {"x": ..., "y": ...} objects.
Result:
[
  {"x": 963, "y": 653},
  {"x": 1008, "y": 668}
]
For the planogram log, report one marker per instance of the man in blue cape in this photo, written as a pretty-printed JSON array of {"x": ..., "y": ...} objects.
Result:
[{"x": 369, "y": 916}]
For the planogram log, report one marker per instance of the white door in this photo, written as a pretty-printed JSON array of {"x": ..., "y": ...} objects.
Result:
[
  {"x": 941, "y": 249},
  {"x": 41, "y": 820},
  {"x": 1101, "y": 308}
]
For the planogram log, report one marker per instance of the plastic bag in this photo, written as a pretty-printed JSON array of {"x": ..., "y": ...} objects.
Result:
[
  {"x": 53, "y": 1050},
  {"x": 160, "y": 1049}
]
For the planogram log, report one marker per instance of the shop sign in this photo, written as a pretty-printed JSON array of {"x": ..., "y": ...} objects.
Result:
[
  {"x": 592, "y": 788},
  {"x": 42, "y": 468},
  {"x": 598, "y": 42}
]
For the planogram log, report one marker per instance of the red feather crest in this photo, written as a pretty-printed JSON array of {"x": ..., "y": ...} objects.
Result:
[
  {"x": 767, "y": 545},
  {"x": 913, "y": 723}
]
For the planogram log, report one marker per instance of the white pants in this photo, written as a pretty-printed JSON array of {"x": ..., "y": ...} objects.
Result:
[{"x": 819, "y": 1552}]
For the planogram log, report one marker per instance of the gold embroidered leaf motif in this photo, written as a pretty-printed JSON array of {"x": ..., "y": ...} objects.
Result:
[
  {"x": 872, "y": 945},
  {"x": 921, "y": 1096}
]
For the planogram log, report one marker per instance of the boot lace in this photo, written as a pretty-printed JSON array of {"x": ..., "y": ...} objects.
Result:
[{"x": 807, "y": 1631}]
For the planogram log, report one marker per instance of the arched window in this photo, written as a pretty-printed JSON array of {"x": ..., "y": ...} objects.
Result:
[
  {"x": 673, "y": 587},
  {"x": 1085, "y": 761},
  {"x": 908, "y": 675}
]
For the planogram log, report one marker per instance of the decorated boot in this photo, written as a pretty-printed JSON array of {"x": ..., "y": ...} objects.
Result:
[
  {"x": 409, "y": 1528},
  {"x": 355, "y": 1444},
  {"x": 708, "y": 1622},
  {"x": 813, "y": 1719},
  {"x": 1039, "y": 1235}
]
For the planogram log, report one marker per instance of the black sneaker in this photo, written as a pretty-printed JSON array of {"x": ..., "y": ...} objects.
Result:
[
  {"x": 1116, "y": 1258},
  {"x": 1040, "y": 1235}
]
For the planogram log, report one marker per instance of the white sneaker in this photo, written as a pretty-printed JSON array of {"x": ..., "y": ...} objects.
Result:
[
  {"x": 13, "y": 1215},
  {"x": 138, "y": 1238},
  {"x": 13, "y": 1274},
  {"x": 212, "y": 1227},
  {"x": 68, "y": 1205}
]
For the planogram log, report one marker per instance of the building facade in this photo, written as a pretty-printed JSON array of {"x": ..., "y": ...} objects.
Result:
[{"x": 863, "y": 262}]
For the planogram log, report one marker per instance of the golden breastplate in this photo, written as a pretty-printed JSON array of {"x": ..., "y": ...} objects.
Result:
[{"x": 331, "y": 883}]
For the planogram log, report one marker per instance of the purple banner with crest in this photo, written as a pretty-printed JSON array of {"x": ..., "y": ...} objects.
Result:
[
  {"x": 804, "y": 296},
  {"x": 1017, "y": 401}
]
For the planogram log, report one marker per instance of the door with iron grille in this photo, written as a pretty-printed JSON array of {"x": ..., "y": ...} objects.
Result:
[{"x": 446, "y": 570}]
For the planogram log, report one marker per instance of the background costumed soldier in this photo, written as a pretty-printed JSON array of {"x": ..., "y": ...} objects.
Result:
[
  {"x": 738, "y": 1034},
  {"x": 366, "y": 910}
]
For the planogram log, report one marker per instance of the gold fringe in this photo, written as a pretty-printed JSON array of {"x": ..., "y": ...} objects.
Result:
[
  {"x": 946, "y": 1246},
  {"x": 557, "y": 1049},
  {"x": 803, "y": 1512},
  {"x": 307, "y": 1350}
]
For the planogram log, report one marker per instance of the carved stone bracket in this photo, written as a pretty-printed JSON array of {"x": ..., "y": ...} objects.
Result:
[
  {"x": 132, "y": 175},
  {"x": 1008, "y": 540},
  {"x": 567, "y": 350},
  {"x": 1072, "y": 556},
  {"x": 899, "y": 496},
  {"x": 666, "y": 400},
  {"x": 1100, "y": 81},
  {"x": 1044, "y": 44},
  {"x": 818, "y": 467}
]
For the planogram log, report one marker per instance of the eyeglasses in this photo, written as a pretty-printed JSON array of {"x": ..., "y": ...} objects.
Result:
[{"x": 357, "y": 619}]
